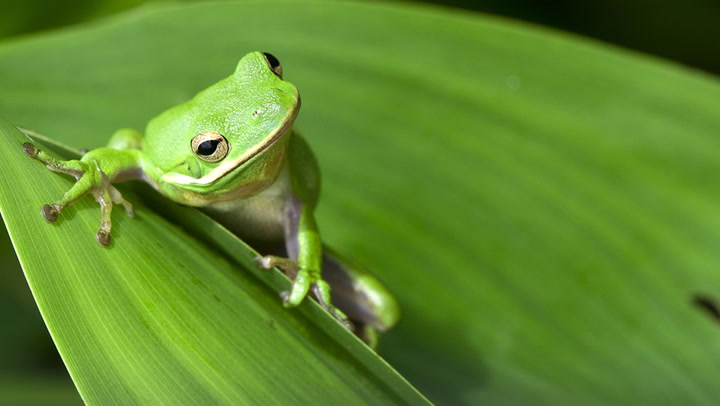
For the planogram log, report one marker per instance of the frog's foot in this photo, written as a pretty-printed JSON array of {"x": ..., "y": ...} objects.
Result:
[
  {"x": 89, "y": 179},
  {"x": 304, "y": 281}
]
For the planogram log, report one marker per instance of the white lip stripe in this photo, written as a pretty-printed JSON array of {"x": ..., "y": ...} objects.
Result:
[{"x": 229, "y": 166}]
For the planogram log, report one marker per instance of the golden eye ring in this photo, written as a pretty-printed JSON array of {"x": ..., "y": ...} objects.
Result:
[{"x": 210, "y": 146}]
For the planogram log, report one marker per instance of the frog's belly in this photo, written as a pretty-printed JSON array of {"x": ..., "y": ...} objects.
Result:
[{"x": 259, "y": 218}]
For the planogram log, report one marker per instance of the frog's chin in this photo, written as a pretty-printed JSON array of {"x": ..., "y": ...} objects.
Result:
[{"x": 214, "y": 195}]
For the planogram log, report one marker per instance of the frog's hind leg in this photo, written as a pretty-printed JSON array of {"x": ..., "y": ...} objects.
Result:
[{"x": 358, "y": 293}]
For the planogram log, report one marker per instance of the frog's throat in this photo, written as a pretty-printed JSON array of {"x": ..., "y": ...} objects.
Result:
[{"x": 229, "y": 166}]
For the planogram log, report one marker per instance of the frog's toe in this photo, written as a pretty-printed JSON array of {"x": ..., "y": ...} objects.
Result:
[
  {"x": 265, "y": 263},
  {"x": 270, "y": 261},
  {"x": 50, "y": 212},
  {"x": 321, "y": 291},
  {"x": 30, "y": 149},
  {"x": 103, "y": 237}
]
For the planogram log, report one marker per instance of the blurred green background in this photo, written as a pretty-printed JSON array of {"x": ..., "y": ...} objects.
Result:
[
  {"x": 681, "y": 31},
  {"x": 684, "y": 31}
]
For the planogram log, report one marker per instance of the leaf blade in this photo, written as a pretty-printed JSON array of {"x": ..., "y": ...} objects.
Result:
[
  {"x": 151, "y": 317},
  {"x": 544, "y": 207}
]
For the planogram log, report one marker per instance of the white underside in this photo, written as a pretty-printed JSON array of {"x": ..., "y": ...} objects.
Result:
[{"x": 259, "y": 217}]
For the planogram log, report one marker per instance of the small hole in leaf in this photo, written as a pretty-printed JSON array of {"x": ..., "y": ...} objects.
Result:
[{"x": 708, "y": 305}]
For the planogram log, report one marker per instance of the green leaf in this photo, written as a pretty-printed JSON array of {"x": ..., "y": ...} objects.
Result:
[
  {"x": 159, "y": 317},
  {"x": 544, "y": 207}
]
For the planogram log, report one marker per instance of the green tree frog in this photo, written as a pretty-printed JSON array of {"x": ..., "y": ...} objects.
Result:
[{"x": 232, "y": 152}]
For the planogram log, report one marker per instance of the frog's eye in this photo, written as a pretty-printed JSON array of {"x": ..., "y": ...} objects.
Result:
[
  {"x": 210, "y": 146},
  {"x": 274, "y": 64}
]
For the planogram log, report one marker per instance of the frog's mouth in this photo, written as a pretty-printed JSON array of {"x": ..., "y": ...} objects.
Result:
[{"x": 229, "y": 166}]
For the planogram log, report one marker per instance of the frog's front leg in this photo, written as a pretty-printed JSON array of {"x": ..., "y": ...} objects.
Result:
[
  {"x": 94, "y": 174},
  {"x": 305, "y": 264}
]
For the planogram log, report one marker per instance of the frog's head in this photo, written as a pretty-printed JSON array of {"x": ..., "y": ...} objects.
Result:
[{"x": 230, "y": 138}]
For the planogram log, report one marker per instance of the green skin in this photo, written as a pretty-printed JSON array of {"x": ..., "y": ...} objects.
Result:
[{"x": 231, "y": 151}]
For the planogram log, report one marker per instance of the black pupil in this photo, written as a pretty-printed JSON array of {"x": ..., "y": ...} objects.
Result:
[
  {"x": 207, "y": 147},
  {"x": 274, "y": 63}
]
